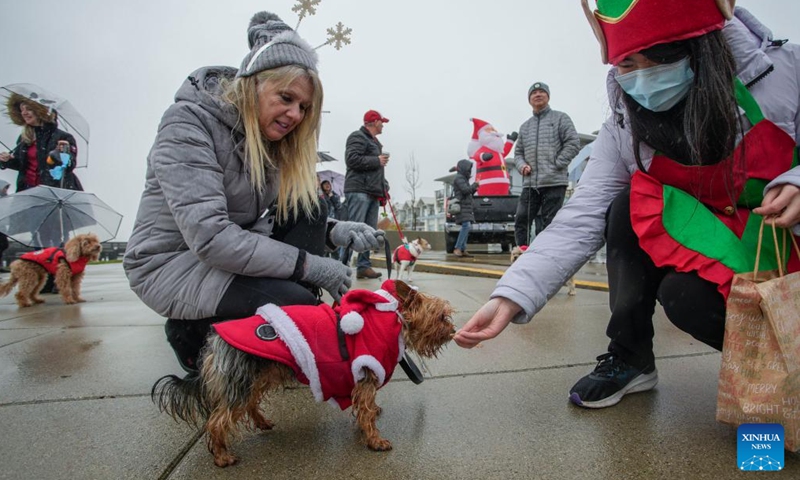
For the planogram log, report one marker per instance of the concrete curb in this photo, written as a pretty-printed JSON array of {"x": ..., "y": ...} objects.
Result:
[{"x": 476, "y": 271}]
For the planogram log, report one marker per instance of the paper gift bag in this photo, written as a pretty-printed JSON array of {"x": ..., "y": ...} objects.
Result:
[{"x": 759, "y": 379}]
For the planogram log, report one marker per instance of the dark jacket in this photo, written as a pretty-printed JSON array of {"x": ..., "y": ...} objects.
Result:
[
  {"x": 364, "y": 170},
  {"x": 463, "y": 191},
  {"x": 334, "y": 204},
  {"x": 47, "y": 138}
]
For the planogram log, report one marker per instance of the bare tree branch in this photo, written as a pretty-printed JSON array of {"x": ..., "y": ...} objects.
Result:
[{"x": 413, "y": 183}]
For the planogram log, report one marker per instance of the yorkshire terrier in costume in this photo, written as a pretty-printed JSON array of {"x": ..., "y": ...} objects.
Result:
[{"x": 345, "y": 354}]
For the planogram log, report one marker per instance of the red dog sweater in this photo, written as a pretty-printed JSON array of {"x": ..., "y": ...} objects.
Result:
[
  {"x": 327, "y": 348},
  {"x": 49, "y": 258}
]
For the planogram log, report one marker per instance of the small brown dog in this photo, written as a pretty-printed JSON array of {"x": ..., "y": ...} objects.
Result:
[
  {"x": 517, "y": 251},
  {"x": 344, "y": 354},
  {"x": 30, "y": 272}
]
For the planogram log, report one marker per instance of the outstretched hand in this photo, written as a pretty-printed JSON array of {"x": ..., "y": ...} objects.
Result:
[
  {"x": 782, "y": 202},
  {"x": 491, "y": 319}
]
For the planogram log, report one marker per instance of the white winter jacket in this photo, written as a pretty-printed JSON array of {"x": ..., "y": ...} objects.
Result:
[{"x": 772, "y": 74}]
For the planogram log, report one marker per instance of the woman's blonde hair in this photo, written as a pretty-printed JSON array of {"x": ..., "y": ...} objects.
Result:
[{"x": 295, "y": 155}]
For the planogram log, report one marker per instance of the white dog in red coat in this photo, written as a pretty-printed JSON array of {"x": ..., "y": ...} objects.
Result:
[{"x": 405, "y": 256}]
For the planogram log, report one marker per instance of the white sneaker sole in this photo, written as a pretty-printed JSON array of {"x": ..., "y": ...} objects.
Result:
[{"x": 642, "y": 383}]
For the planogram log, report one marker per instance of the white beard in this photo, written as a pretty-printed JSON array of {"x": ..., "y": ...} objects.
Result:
[{"x": 491, "y": 140}]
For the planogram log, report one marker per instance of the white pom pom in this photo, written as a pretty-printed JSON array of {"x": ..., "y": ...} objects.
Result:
[{"x": 352, "y": 323}]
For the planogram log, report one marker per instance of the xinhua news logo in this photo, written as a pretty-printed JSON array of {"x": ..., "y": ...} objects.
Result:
[{"x": 760, "y": 447}]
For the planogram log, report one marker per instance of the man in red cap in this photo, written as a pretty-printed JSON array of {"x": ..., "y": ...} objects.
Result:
[{"x": 365, "y": 187}]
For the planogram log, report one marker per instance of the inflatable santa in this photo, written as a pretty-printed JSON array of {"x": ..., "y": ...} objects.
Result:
[{"x": 488, "y": 148}]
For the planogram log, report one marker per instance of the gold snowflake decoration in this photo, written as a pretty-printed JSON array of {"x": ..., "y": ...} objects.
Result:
[
  {"x": 339, "y": 35},
  {"x": 305, "y": 7}
]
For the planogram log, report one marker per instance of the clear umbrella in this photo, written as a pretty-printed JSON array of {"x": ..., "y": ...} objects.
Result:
[
  {"x": 336, "y": 179},
  {"x": 45, "y": 216},
  {"x": 68, "y": 116}
]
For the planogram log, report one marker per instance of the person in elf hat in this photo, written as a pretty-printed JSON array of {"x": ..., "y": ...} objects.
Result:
[
  {"x": 230, "y": 219},
  {"x": 701, "y": 145},
  {"x": 547, "y": 144},
  {"x": 489, "y": 148}
]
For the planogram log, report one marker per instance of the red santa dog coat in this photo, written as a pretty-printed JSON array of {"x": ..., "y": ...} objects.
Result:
[
  {"x": 403, "y": 254},
  {"x": 491, "y": 174},
  {"x": 326, "y": 353},
  {"x": 49, "y": 258}
]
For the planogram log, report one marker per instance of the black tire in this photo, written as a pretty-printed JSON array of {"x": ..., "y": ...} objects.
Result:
[{"x": 450, "y": 242}]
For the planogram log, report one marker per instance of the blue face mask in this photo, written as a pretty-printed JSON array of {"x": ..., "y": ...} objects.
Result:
[{"x": 658, "y": 88}]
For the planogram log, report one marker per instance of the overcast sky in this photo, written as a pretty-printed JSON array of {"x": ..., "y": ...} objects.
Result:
[{"x": 427, "y": 65}]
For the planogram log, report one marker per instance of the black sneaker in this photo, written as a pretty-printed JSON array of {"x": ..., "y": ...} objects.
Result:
[{"x": 611, "y": 379}]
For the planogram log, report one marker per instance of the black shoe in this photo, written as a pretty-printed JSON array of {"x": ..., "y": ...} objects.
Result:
[
  {"x": 611, "y": 379},
  {"x": 187, "y": 337},
  {"x": 367, "y": 273}
]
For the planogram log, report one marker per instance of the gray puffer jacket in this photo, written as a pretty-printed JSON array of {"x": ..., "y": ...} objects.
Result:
[
  {"x": 193, "y": 228},
  {"x": 772, "y": 74},
  {"x": 547, "y": 142}
]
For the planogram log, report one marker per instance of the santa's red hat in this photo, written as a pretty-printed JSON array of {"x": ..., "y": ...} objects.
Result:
[{"x": 479, "y": 124}]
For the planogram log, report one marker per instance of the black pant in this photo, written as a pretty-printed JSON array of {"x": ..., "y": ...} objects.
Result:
[
  {"x": 548, "y": 199},
  {"x": 693, "y": 304},
  {"x": 245, "y": 294}
]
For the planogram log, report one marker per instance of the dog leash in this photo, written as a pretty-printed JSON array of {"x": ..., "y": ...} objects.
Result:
[{"x": 406, "y": 363}]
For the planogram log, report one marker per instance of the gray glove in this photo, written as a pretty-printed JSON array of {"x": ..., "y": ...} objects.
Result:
[
  {"x": 328, "y": 273},
  {"x": 362, "y": 236}
]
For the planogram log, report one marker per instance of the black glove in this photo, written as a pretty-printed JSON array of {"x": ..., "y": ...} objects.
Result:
[
  {"x": 486, "y": 156},
  {"x": 513, "y": 136}
]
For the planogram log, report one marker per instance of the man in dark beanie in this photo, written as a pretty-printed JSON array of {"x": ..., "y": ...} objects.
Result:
[{"x": 547, "y": 143}]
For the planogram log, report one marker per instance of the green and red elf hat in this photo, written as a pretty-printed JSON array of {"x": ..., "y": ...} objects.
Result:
[{"x": 624, "y": 27}]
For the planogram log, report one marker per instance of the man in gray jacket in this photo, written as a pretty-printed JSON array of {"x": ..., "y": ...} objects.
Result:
[{"x": 547, "y": 143}]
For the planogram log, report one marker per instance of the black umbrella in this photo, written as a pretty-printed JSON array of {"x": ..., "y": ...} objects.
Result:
[{"x": 47, "y": 217}]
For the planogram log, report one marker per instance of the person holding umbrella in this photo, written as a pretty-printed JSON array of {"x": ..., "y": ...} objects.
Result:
[
  {"x": 230, "y": 219},
  {"x": 39, "y": 147}
]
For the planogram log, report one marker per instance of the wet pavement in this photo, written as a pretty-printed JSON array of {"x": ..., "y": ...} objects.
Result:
[{"x": 75, "y": 383}]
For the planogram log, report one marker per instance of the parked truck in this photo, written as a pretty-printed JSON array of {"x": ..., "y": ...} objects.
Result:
[
  {"x": 494, "y": 218},
  {"x": 494, "y": 222}
]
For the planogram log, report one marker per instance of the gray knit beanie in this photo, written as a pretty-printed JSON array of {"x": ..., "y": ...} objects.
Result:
[
  {"x": 539, "y": 86},
  {"x": 274, "y": 44}
]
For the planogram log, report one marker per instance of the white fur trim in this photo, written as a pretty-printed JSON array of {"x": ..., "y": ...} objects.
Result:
[
  {"x": 473, "y": 147},
  {"x": 352, "y": 323},
  {"x": 297, "y": 343},
  {"x": 370, "y": 362},
  {"x": 391, "y": 306}
]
